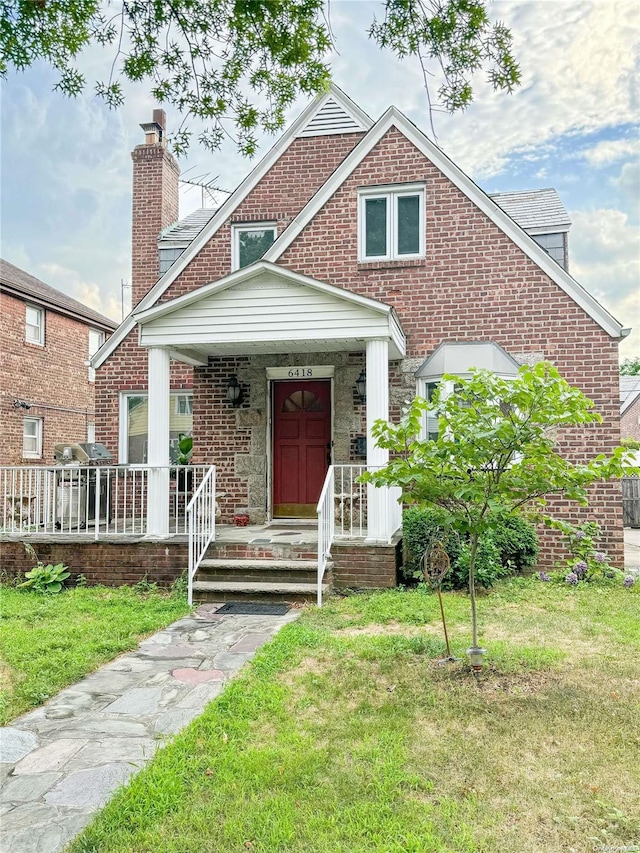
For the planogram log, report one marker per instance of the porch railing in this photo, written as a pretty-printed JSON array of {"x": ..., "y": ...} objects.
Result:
[
  {"x": 343, "y": 512},
  {"x": 201, "y": 515},
  {"x": 96, "y": 500}
]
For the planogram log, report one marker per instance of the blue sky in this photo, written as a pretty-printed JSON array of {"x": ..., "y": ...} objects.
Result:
[{"x": 573, "y": 125}]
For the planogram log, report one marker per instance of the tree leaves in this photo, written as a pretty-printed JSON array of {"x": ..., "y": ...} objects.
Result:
[{"x": 238, "y": 64}]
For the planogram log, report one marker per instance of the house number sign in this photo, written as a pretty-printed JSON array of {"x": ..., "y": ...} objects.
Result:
[
  {"x": 300, "y": 373},
  {"x": 313, "y": 371}
]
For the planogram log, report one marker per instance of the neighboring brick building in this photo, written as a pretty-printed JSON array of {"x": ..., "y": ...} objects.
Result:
[
  {"x": 46, "y": 386},
  {"x": 354, "y": 250},
  {"x": 630, "y": 407}
]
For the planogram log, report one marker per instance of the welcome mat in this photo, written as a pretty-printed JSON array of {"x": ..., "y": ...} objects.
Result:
[{"x": 249, "y": 608}]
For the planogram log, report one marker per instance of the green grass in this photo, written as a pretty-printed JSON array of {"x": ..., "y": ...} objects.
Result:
[
  {"x": 50, "y": 641},
  {"x": 346, "y": 736}
]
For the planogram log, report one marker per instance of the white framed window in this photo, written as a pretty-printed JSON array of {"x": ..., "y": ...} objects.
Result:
[
  {"x": 91, "y": 433},
  {"x": 96, "y": 339},
  {"x": 391, "y": 222},
  {"x": 34, "y": 325},
  {"x": 250, "y": 242},
  {"x": 134, "y": 425},
  {"x": 167, "y": 256},
  {"x": 183, "y": 404},
  {"x": 32, "y": 438}
]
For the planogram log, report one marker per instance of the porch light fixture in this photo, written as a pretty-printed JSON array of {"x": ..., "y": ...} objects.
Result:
[
  {"x": 361, "y": 386},
  {"x": 234, "y": 392}
]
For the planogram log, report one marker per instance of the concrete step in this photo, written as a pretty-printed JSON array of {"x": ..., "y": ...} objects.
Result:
[
  {"x": 274, "y": 570},
  {"x": 204, "y": 591}
]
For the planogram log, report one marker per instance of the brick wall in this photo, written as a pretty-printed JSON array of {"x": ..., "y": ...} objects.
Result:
[
  {"x": 53, "y": 378},
  {"x": 359, "y": 566},
  {"x": 630, "y": 421},
  {"x": 111, "y": 563},
  {"x": 473, "y": 284}
]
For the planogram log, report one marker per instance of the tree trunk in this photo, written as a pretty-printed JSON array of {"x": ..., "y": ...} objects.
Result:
[{"x": 472, "y": 588}]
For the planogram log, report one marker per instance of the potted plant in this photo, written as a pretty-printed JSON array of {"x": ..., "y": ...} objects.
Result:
[{"x": 185, "y": 452}]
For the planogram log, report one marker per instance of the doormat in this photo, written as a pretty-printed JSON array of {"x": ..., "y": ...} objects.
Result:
[{"x": 249, "y": 608}]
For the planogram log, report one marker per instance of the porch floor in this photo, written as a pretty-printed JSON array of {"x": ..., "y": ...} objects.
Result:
[{"x": 280, "y": 532}]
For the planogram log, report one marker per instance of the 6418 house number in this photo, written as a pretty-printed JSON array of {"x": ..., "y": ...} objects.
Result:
[{"x": 300, "y": 373}]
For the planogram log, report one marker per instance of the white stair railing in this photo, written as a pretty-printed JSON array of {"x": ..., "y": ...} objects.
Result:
[
  {"x": 326, "y": 527},
  {"x": 201, "y": 518}
]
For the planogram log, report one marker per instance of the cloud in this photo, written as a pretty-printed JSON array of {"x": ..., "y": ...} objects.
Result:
[
  {"x": 611, "y": 151},
  {"x": 605, "y": 258}
]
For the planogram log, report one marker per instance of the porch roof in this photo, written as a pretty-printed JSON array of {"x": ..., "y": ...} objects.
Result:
[{"x": 266, "y": 308}]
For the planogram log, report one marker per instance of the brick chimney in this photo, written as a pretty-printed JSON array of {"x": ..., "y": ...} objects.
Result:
[{"x": 155, "y": 203}]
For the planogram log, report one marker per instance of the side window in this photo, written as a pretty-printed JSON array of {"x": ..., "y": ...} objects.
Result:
[
  {"x": 250, "y": 242},
  {"x": 134, "y": 426},
  {"x": 167, "y": 257},
  {"x": 431, "y": 419},
  {"x": 34, "y": 325},
  {"x": 391, "y": 223},
  {"x": 96, "y": 339},
  {"x": 32, "y": 438}
]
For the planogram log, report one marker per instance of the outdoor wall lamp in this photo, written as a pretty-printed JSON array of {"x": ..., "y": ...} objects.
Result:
[
  {"x": 361, "y": 386},
  {"x": 234, "y": 392},
  {"x": 21, "y": 404}
]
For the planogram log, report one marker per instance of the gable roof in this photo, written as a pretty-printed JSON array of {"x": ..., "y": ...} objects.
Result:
[
  {"x": 393, "y": 118},
  {"x": 537, "y": 211},
  {"x": 629, "y": 392},
  {"x": 227, "y": 208},
  {"x": 25, "y": 286}
]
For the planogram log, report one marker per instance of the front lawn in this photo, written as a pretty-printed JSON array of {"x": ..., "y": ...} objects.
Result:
[
  {"x": 50, "y": 641},
  {"x": 346, "y": 736}
]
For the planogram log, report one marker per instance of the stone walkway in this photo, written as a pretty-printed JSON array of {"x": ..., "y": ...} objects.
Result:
[
  {"x": 60, "y": 763},
  {"x": 632, "y": 550}
]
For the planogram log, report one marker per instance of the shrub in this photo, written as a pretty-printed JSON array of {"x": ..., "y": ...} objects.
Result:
[
  {"x": 512, "y": 546},
  {"x": 44, "y": 579},
  {"x": 517, "y": 542}
]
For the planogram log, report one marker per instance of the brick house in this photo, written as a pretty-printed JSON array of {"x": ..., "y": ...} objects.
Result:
[
  {"x": 353, "y": 266},
  {"x": 630, "y": 407},
  {"x": 47, "y": 388}
]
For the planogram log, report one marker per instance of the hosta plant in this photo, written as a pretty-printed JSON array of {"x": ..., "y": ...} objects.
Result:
[{"x": 46, "y": 579}]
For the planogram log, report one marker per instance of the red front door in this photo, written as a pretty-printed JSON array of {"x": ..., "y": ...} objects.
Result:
[{"x": 301, "y": 445}]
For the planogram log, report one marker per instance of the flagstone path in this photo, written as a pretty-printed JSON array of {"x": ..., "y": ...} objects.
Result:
[{"x": 61, "y": 762}]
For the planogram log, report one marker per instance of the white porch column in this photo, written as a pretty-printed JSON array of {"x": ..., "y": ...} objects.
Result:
[
  {"x": 377, "y": 407},
  {"x": 158, "y": 443}
]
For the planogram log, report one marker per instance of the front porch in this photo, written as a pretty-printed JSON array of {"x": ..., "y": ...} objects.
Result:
[{"x": 98, "y": 520}]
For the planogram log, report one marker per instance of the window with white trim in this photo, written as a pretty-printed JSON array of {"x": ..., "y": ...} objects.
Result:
[
  {"x": 34, "y": 325},
  {"x": 134, "y": 425},
  {"x": 250, "y": 242},
  {"x": 96, "y": 339},
  {"x": 32, "y": 438},
  {"x": 391, "y": 223}
]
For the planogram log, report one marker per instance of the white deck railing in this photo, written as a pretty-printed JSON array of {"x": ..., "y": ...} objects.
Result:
[
  {"x": 99, "y": 500},
  {"x": 343, "y": 512},
  {"x": 201, "y": 515}
]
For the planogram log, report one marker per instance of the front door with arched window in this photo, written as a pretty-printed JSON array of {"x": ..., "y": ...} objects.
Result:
[{"x": 301, "y": 445}]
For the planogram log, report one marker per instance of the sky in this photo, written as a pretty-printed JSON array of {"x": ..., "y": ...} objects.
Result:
[{"x": 573, "y": 124}]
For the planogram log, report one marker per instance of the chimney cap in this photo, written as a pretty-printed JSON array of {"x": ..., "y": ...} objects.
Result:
[{"x": 151, "y": 127}]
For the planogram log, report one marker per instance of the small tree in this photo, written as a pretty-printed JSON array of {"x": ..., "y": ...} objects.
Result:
[{"x": 495, "y": 451}]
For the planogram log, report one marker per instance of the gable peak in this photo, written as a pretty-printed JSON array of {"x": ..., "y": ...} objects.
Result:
[{"x": 335, "y": 113}]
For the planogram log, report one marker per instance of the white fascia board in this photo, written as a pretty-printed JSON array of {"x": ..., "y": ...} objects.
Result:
[
  {"x": 397, "y": 335},
  {"x": 394, "y": 118},
  {"x": 253, "y": 271},
  {"x": 548, "y": 229},
  {"x": 224, "y": 212}
]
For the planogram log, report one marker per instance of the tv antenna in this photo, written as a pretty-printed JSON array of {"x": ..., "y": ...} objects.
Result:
[{"x": 208, "y": 187}]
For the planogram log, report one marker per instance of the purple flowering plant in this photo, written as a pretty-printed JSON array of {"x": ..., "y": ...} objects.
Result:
[{"x": 585, "y": 563}]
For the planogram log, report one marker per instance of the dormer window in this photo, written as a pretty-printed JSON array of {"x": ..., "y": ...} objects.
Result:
[
  {"x": 167, "y": 256},
  {"x": 391, "y": 223},
  {"x": 250, "y": 242},
  {"x": 554, "y": 245}
]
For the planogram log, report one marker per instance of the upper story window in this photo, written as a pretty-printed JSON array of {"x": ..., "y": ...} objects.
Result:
[
  {"x": 167, "y": 256},
  {"x": 34, "y": 325},
  {"x": 554, "y": 245},
  {"x": 250, "y": 242},
  {"x": 96, "y": 339},
  {"x": 32, "y": 438},
  {"x": 391, "y": 223}
]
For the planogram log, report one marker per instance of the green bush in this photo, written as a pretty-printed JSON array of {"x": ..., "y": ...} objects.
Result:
[
  {"x": 517, "y": 542},
  {"x": 511, "y": 547}
]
